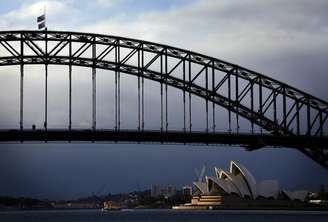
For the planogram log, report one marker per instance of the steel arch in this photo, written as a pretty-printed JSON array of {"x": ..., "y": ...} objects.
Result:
[{"x": 295, "y": 104}]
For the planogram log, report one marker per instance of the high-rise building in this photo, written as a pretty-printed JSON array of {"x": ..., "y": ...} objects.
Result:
[
  {"x": 155, "y": 190},
  {"x": 171, "y": 191},
  {"x": 187, "y": 190}
]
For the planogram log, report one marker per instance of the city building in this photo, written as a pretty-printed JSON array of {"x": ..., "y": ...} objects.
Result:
[
  {"x": 187, "y": 190},
  {"x": 155, "y": 190},
  {"x": 166, "y": 191},
  {"x": 171, "y": 191}
]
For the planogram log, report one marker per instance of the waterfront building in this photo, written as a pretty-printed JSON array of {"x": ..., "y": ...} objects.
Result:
[
  {"x": 238, "y": 187},
  {"x": 240, "y": 182}
]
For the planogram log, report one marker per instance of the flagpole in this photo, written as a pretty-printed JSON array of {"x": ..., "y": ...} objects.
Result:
[
  {"x": 45, "y": 13},
  {"x": 41, "y": 20},
  {"x": 46, "y": 68}
]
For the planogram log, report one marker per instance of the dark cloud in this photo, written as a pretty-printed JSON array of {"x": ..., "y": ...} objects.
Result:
[{"x": 284, "y": 40}]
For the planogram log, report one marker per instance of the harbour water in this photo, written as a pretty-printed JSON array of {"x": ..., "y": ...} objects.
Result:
[{"x": 163, "y": 216}]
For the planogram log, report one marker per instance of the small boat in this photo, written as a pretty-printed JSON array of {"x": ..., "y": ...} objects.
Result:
[{"x": 110, "y": 206}]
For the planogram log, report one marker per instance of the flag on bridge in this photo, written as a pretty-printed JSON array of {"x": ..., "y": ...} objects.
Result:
[
  {"x": 41, "y": 20},
  {"x": 42, "y": 25}
]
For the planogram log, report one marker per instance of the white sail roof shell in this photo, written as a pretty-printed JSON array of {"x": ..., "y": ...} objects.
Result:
[
  {"x": 238, "y": 169},
  {"x": 228, "y": 181},
  {"x": 220, "y": 183},
  {"x": 202, "y": 186},
  {"x": 296, "y": 195},
  {"x": 237, "y": 182},
  {"x": 268, "y": 189}
]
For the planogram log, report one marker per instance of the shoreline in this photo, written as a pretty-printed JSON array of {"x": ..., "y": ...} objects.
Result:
[{"x": 277, "y": 209}]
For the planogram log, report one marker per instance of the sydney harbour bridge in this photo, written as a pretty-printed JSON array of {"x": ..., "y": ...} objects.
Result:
[{"x": 287, "y": 117}]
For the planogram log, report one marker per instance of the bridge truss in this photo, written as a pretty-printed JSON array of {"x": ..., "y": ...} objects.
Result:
[{"x": 284, "y": 112}]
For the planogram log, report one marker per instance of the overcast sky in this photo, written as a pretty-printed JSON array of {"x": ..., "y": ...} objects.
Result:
[{"x": 286, "y": 40}]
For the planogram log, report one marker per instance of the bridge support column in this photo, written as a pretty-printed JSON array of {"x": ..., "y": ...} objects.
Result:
[
  {"x": 142, "y": 102},
  {"x": 213, "y": 104},
  {"x": 70, "y": 99},
  {"x": 94, "y": 98},
  {"x": 252, "y": 107},
  {"x": 184, "y": 97},
  {"x": 166, "y": 101},
  {"x": 142, "y": 89},
  {"x": 117, "y": 88},
  {"x": 46, "y": 99},
  {"x": 46, "y": 85},
  {"x": 162, "y": 117},
  {"x": 189, "y": 75},
  {"x": 237, "y": 99},
  {"x": 229, "y": 98},
  {"x": 21, "y": 108},
  {"x": 116, "y": 125},
  {"x": 206, "y": 101},
  {"x": 139, "y": 113},
  {"x": 21, "y": 122},
  {"x": 94, "y": 85},
  {"x": 70, "y": 86}
]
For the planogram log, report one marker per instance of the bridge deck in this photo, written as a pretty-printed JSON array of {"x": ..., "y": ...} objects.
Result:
[{"x": 177, "y": 137}]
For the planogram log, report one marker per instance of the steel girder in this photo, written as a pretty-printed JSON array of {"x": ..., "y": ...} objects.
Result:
[
  {"x": 153, "y": 136},
  {"x": 276, "y": 107}
]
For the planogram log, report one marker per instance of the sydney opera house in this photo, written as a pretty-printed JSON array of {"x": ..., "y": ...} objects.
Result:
[{"x": 238, "y": 185}]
